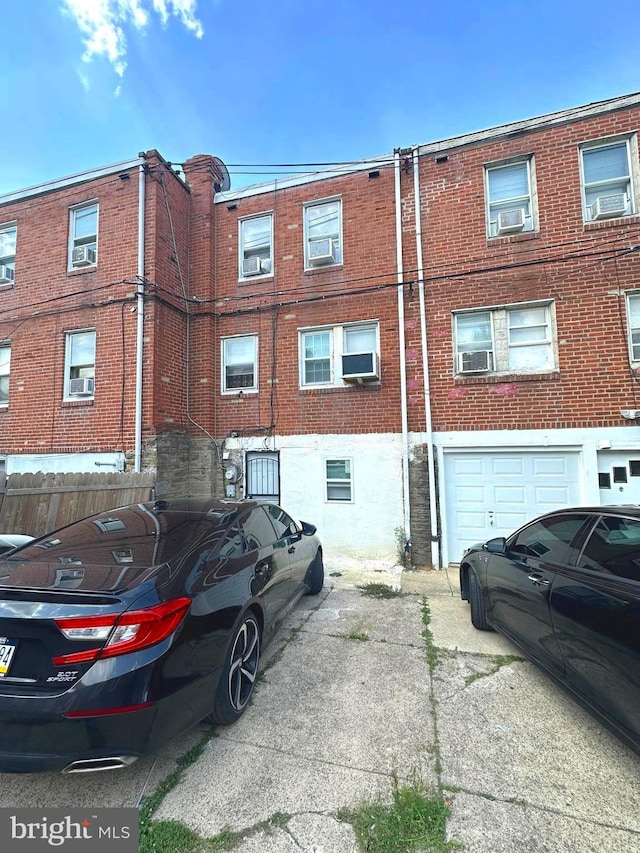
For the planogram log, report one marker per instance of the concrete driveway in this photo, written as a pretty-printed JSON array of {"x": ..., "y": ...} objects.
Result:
[{"x": 347, "y": 699}]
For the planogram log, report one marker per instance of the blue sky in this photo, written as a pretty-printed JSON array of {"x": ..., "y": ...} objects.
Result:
[{"x": 87, "y": 83}]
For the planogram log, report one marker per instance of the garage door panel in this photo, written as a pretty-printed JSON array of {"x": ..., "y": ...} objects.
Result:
[
  {"x": 509, "y": 495},
  {"x": 492, "y": 493},
  {"x": 513, "y": 466}
]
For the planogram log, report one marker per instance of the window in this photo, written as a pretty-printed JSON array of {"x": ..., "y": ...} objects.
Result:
[
  {"x": 8, "y": 235},
  {"x": 510, "y": 203},
  {"x": 80, "y": 362},
  {"x": 339, "y": 485},
  {"x": 607, "y": 180},
  {"x": 614, "y": 547},
  {"x": 548, "y": 540},
  {"x": 258, "y": 530},
  {"x": 5, "y": 366},
  {"x": 323, "y": 233},
  {"x": 256, "y": 246},
  {"x": 333, "y": 355},
  {"x": 239, "y": 371},
  {"x": 512, "y": 339},
  {"x": 633, "y": 315},
  {"x": 83, "y": 236}
]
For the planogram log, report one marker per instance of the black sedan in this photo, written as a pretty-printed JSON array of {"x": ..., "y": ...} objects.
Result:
[
  {"x": 123, "y": 630},
  {"x": 565, "y": 588}
]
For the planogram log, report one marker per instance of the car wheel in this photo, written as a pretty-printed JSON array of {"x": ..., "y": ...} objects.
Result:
[
  {"x": 315, "y": 574},
  {"x": 239, "y": 673},
  {"x": 478, "y": 609}
]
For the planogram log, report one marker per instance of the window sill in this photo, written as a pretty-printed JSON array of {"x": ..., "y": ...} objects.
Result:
[
  {"x": 500, "y": 378},
  {"x": 330, "y": 389},
  {"x": 7, "y": 286},
  {"x": 321, "y": 268},
  {"x": 75, "y": 404},
  {"x": 255, "y": 279},
  {"x": 507, "y": 239},
  {"x": 82, "y": 270},
  {"x": 614, "y": 222}
]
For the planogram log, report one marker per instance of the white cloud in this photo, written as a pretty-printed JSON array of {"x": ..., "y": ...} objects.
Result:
[{"x": 103, "y": 22}]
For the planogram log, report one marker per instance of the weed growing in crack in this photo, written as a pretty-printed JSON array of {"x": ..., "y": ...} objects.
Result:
[{"x": 375, "y": 589}]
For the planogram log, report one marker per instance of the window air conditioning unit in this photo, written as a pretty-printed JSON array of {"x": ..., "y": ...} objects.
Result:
[
  {"x": 81, "y": 387},
  {"x": 609, "y": 205},
  {"x": 251, "y": 266},
  {"x": 510, "y": 221},
  {"x": 360, "y": 366},
  {"x": 6, "y": 274},
  {"x": 321, "y": 252},
  {"x": 475, "y": 362},
  {"x": 83, "y": 256}
]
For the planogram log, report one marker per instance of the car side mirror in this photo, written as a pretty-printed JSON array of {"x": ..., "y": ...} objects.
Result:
[
  {"x": 497, "y": 545},
  {"x": 308, "y": 529}
]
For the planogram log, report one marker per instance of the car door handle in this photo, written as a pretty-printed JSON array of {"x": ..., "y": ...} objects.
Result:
[
  {"x": 538, "y": 580},
  {"x": 291, "y": 550}
]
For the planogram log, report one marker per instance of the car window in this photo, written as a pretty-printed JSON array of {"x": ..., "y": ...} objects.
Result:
[
  {"x": 233, "y": 543},
  {"x": 548, "y": 539},
  {"x": 613, "y": 547},
  {"x": 281, "y": 521},
  {"x": 258, "y": 530}
]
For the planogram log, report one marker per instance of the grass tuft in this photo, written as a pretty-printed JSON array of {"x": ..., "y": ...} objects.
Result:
[
  {"x": 415, "y": 821},
  {"x": 356, "y": 634},
  {"x": 375, "y": 589}
]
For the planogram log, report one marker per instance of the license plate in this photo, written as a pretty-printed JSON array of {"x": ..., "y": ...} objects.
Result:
[{"x": 7, "y": 649}]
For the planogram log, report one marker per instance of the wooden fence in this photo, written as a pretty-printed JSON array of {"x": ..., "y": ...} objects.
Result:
[{"x": 37, "y": 503}]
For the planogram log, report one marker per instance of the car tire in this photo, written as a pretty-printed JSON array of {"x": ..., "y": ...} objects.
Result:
[
  {"x": 478, "y": 610},
  {"x": 239, "y": 673},
  {"x": 315, "y": 574}
]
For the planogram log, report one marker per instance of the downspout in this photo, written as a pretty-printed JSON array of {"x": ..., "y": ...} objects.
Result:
[
  {"x": 140, "y": 322},
  {"x": 433, "y": 514},
  {"x": 401, "y": 336}
]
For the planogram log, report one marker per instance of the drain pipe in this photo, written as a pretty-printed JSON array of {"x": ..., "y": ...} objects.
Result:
[
  {"x": 403, "y": 371},
  {"x": 140, "y": 322},
  {"x": 433, "y": 514}
]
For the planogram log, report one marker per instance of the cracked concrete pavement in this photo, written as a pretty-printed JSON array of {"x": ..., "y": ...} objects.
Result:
[{"x": 335, "y": 717}]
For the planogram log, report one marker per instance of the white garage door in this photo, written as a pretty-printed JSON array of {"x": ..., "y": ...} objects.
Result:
[{"x": 491, "y": 494}]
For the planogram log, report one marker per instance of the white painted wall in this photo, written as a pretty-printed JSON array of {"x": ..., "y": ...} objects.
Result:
[
  {"x": 362, "y": 529},
  {"x": 65, "y": 463}
]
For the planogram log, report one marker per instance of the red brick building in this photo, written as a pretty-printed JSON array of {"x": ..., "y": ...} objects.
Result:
[{"x": 438, "y": 344}]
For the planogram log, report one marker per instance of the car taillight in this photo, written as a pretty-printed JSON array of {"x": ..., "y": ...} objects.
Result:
[{"x": 124, "y": 633}]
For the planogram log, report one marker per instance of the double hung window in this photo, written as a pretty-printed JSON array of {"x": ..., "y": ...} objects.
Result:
[
  {"x": 8, "y": 235},
  {"x": 323, "y": 233},
  {"x": 607, "y": 180},
  {"x": 83, "y": 236},
  {"x": 332, "y": 355},
  {"x": 256, "y": 246},
  {"x": 509, "y": 197},
  {"x": 5, "y": 367},
  {"x": 80, "y": 364},
  {"x": 339, "y": 481},
  {"x": 239, "y": 364}
]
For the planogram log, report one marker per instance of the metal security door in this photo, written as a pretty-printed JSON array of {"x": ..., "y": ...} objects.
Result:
[{"x": 263, "y": 476}]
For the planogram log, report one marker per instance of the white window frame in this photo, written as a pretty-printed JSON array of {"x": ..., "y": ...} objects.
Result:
[
  {"x": 628, "y": 184},
  {"x": 338, "y": 481},
  {"x": 340, "y": 245},
  {"x": 91, "y": 240},
  {"x": 502, "y": 345},
  {"x": 10, "y": 259},
  {"x": 633, "y": 298},
  {"x": 223, "y": 361},
  {"x": 5, "y": 370},
  {"x": 528, "y": 201},
  {"x": 337, "y": 348},
  {"x": 267, "y": 273},
  {"x": 90, "y": 369}
]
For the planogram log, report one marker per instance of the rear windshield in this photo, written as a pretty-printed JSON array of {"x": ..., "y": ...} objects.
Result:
[{"x": 110, "y": 551}]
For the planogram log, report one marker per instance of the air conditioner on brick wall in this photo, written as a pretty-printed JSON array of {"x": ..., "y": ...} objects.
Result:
[
  {"x": 609, "y": 205},
  {"x": 83, "y": 256},
  {"x": 81, "y": 387},
  {"x": 510, "y": 221},
  {"x": 360, "y": 366},
  {"x": 321, "y": 252},
  {"x": 478, "y": 361},
  {"x": 6, "y": 274}
]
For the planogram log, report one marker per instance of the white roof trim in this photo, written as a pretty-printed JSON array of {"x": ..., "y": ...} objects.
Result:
[{"x": 70, "y": 180}]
